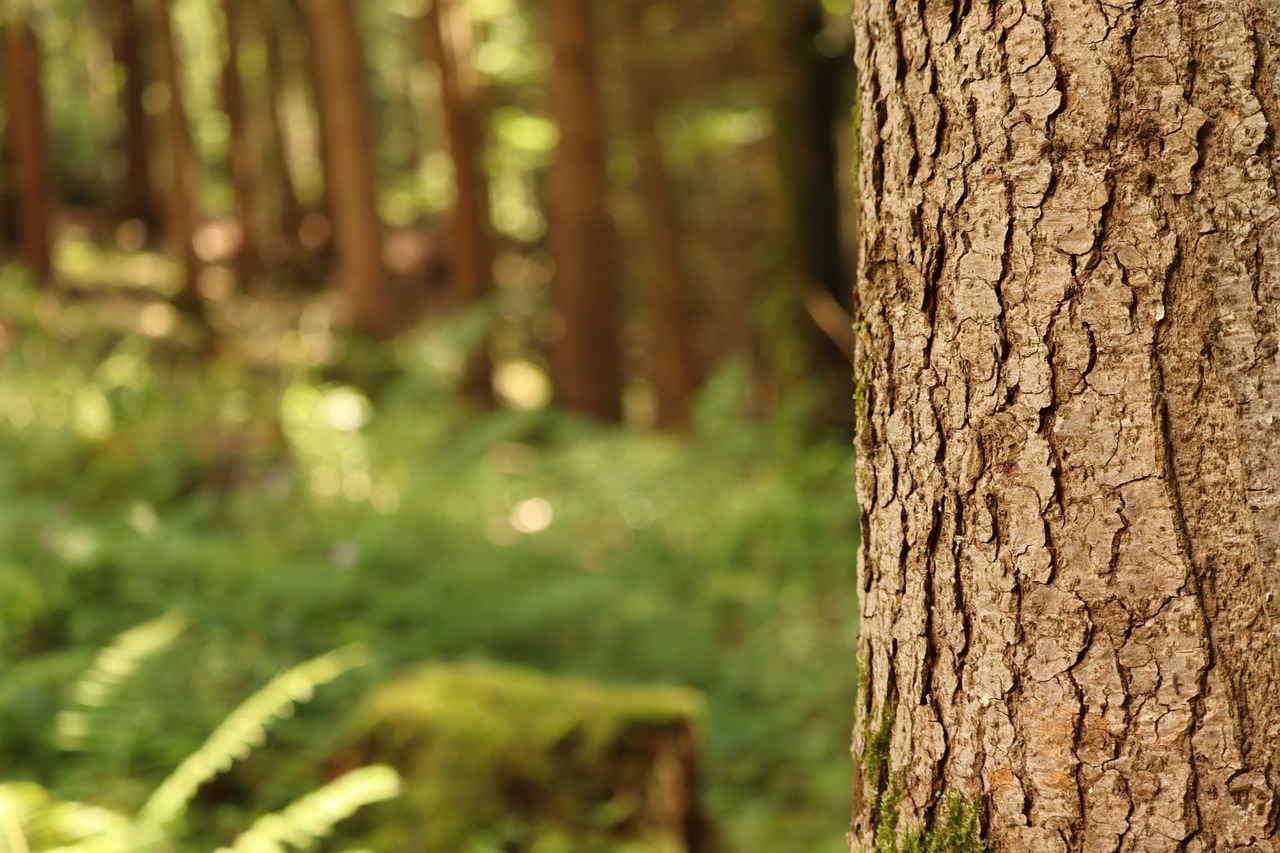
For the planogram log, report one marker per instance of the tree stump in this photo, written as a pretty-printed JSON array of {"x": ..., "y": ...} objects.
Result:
[{"x": 496, "y": 757}]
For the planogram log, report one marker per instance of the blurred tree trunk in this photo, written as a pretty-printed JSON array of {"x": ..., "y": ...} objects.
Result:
[
  {"x": 812, "y": 332},
  {"x": 805, "y": 94},
  {"x": 471, "y": 244},
  {"x": 731, "y": 283},
  {"x": 1069, "y": 455},
  {"x": 287, "y": 220},
  {"x": 139, "y": 201},
  {"x": 667, "y": 285},
  {"x": 350, "y": 176},
  {"x": 412, "y": 142},
  {"x": 7, "y": 235},
  {"x": 248, "y": 258},
  {"x": 28, "y": 136},
  {"x": 182, "y": 192},
  {"x": 585, "y": 360}
]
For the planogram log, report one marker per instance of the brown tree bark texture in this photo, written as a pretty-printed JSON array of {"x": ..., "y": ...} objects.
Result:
[
  {"x": 585, "y": 361},
  {"x": 29, "y": 148},
  {"x": 666, "y": 284},
  {"x": 1070, "y": 454},
  {"x": 350, "y": 177}
]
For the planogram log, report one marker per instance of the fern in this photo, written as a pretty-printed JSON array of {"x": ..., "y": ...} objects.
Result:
[
  {"x": 32, "y": 822},
  {"x": 11, "y": 820},
  {"x": 244, "y": 730},
  {"x": 314, "y": 815},
  {"x": 114, "y": 666}
]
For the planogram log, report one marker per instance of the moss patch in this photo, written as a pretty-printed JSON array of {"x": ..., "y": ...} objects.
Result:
[
  {"x": 955, "y": 827},
  {"x": 496, "y": 757}
]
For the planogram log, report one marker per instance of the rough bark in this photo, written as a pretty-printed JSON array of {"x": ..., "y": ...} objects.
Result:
[
  {"x": 28, "y": 139},
  {"x": 1070, "y": 452},
  {"x": 585, "y": 361},
  {"x": 666, "y": 284},
  {"x": 138, "y": 201},
  {"x": 181, "y": 193},
  {"x": 248, "y": 258},
  {"x": 470, "y": 241},
  {"x": 350, "y": 177}
]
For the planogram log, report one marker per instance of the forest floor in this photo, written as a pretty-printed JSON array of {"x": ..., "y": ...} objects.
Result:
[{"x": 297, "y": 490}]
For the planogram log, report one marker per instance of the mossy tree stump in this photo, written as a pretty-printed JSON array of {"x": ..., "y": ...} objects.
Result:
[{"x": 500, "y": 758}]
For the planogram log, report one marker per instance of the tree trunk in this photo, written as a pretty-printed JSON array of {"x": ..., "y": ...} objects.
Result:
[
  {"x": 731, "y": 283},
  {"x": 667, "y": 286},
  {"x": 585, "y": 360},
  {"x": 350, "y": 177},
  {"x": 181, "y": 195},
  {"x": 7, "y": 235},
  {"x": 1070, "y": 442},
  {"x": 471, "y": 247},
  {"x": 139, "y": 203},
  {"x": 248, "y": 259},
  {"x": 287, "y": 210},
  {"x": 29, "y": 147},
  {"x": 805, "y": 94}
]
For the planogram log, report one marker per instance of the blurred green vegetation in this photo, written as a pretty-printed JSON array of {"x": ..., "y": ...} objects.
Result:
[{"x": 295, "y": 505}]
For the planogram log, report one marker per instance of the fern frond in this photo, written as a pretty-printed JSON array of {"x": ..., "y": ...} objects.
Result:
[
  {"x": 31, "y": 821},
  {"x": 12, "y": 809},
  {"x": 314, "y": 815},
  {"x": 113, "y": 667},
  {"x": 244, "y": 730}
]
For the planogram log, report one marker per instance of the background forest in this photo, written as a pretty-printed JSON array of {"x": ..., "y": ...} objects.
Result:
[{"x": 462, "y": 330}]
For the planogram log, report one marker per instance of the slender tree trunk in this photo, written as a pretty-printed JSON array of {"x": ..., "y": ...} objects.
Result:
[
  {"x": 803, "y": 90},
  {"x": 1070, "y": 453},
  {"x": 731, "y": 283},
  {"x": 182, "y": 192},
  {"x": 248, "y": 258},
  {"x": 139, "y": 202},
  {"x": 412, "y": 142},
  {"x": 667, "y": 286},
  {"x": 29, "y": 147},
  {"x": 7, "y": 235},
  {"x": 350, "y": 177},
  {"x": 288, "y": 210},
  {"x": 471, "y": 246},
  {"x": 585, "y": 361}
]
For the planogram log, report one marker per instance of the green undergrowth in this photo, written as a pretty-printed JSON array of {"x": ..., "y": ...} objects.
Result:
[
  {"x": 34, "y": 820},
  {"x": 955, "y": 826},
  {"x": 293, "y": 507}
]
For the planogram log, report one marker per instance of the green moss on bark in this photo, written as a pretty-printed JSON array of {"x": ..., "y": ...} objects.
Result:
[{"x": 955, "y": 827}]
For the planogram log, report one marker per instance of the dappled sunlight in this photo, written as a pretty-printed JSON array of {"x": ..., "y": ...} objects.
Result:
[
  {"x": 461, "y": 336},
  {"x": 85, "y": 264},
  {"x": 522, "y": 384}
]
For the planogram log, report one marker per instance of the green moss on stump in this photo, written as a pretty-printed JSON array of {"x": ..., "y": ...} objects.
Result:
[{"x": 496, "y": 757}]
